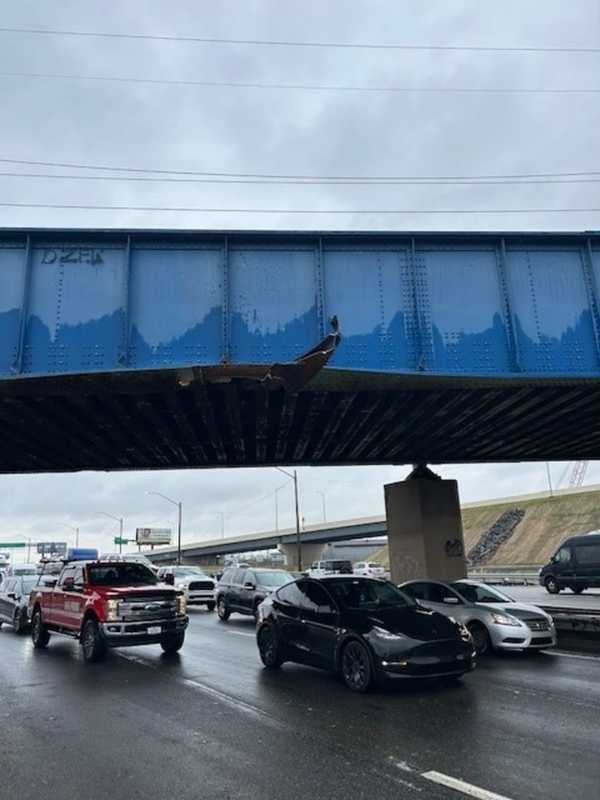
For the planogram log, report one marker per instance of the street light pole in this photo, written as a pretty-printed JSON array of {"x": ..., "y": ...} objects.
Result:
[
  {"x": 178, "y": 504},
  {"x": 318, "y": 491},
  {"x": 73, "y": 528},
  {"x": 179, "y": 533},
  {"x": 120, "y": 521},
  {"x": 294, "y": 477}
]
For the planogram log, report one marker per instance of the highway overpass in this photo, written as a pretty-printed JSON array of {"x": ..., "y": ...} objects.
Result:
[
  {"x": 151, "y": 350},
  {"x": 270, "y": 540}
]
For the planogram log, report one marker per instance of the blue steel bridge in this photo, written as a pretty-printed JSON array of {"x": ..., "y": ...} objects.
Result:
[{"x": 159, "y": 349}]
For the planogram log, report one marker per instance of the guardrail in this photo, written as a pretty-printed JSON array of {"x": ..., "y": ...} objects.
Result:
[
  {"x": 576, "y": 629},
  {"x": 509, "y": 576}
]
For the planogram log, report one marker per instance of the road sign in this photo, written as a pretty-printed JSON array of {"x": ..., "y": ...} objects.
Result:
[
  {"x": 58, "y": 549},
  {"x": 153, "y": 535},
  {"x": 120, "y": 540},
  {"x": 13, "y": 544}
]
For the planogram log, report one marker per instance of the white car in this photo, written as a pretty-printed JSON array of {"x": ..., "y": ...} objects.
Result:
[
  {"x": 333, "y": 566},
  {"x": 369, "y": 569},
  {"x": 494, "y": 620},
  {"x": 19, "y": 570},
  {"x": 199, "y": 588}
]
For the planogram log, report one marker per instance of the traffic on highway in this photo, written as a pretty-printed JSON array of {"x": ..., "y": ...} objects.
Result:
[{"x": 244, "y": 698}]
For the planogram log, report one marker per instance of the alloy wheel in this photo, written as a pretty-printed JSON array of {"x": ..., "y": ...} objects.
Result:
[{"x": 356, "y": 667}]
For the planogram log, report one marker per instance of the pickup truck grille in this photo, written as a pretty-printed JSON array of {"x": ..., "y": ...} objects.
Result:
[
  {"x": 197, "y": 585},
  {"x": 147, "y": 608}
]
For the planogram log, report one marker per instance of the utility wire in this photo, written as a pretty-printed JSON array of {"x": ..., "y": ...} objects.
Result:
[
  {"x": 310, "y": 87},
  {"x": 383, "y": 179},
  {"x": 302, "y": 182},
  {"x": 377, "y": 211},
  {"x": 292, "y": 43}
]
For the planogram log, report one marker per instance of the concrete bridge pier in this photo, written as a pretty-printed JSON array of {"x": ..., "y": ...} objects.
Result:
[
  {"x": 424, "y": 524},
  {"x": 310, "y": 552}
]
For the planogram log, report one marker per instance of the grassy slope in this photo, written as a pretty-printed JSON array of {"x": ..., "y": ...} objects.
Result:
[{"x": 547, "y": 522}]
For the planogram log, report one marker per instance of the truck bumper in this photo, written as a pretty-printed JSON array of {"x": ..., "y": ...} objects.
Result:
[{"x": 127, "y": 634}]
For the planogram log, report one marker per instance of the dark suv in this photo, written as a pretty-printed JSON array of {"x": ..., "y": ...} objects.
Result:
[{"x": 243, "y": 589}]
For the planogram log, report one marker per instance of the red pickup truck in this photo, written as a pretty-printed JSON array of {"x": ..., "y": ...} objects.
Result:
[{"x": 108, "y": 604}]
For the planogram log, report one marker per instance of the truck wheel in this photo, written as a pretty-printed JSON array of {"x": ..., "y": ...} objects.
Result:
[
  {"x": 39, "y": 632},
  {"x": 93, "y": 645},
  {"x": 20, "y": 620},
  {"x": 552, "y": 585},
  {"x": 173, "y": 643},
  {"x": 210, "y": 606},
  {"x": 222, "y": 610}
]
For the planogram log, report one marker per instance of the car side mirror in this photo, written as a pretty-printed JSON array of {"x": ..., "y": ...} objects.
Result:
[
  {"x": 249, "y": 585},
  {"x": 12, "y": 595},
  {"x": 451, "y": 601},
  {"x": 169, "y": 578}
]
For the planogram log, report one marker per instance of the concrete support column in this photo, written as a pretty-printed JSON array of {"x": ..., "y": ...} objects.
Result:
[
  {"x": 424, "y": 523},
  {"x": 310, "y": 553}
]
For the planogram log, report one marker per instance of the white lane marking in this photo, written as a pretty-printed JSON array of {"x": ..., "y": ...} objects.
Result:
[
  {"x": 241, "y": 633},
  {"x": 562, "y": 654},
  {"x": 462, "y": 786}
]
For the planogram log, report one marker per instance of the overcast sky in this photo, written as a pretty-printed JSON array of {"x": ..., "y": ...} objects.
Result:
[{"x": 306, "y": 132}]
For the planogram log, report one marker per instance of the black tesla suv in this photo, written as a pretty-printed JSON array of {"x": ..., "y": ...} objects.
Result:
[
  {"x": 243, "y": 589},
  {"x": 365, "y": 629}
]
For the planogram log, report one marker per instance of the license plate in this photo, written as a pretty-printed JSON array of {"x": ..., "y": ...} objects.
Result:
[{"x": 154, "y": 629}]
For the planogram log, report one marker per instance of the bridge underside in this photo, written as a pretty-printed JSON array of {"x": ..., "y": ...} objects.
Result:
[{"x": 168, "y": 419}]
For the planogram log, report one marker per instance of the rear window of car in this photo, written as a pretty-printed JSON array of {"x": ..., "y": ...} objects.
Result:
[
  {"x": 375, "y": 566},
  {"x": 121, "y": 574},
  {"x": 361, "y": 593}
]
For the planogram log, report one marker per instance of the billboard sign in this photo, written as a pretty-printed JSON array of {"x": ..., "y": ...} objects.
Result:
[
  {"x": 153, "y": 535},
  {"x": 58, "y": 549}
]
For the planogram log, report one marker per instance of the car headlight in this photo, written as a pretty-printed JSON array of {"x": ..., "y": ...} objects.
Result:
[
  {"x": 181, "y": 604},
  {"x": 181, "y": 586},
  {"x": 505, "y": 619},
  {"x": 112, "y": 610},
  {"x": 387, "y": 635}
]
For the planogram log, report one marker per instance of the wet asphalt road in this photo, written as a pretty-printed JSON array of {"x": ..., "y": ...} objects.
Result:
[{"x": 213, "y": 724}]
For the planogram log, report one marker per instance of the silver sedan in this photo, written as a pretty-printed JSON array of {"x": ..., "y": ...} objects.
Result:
[{"x": 495, "y": 620}]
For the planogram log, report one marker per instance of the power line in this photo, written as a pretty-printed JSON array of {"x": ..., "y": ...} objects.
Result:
[
  {"x": 309, "y": 87},
  {"x": 301, "y": 181},
  {"x": 282, "y": 176},
  {"x": 375, "y": 211},
  {"x": 292, "y": 43}
]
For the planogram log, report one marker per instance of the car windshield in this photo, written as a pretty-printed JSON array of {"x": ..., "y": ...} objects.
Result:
[
  {"x": 181, "y": 572},
  {"x": 480, "y": 593},
  {"x": 274, "y": 577},
  {"x": 375, "y": 566},
  {"x": 26, "y": 569},
  {"x": 367, "y": 594},
  {"x": 28, "y": 583},
  {"x": 121, "y": 574}
]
